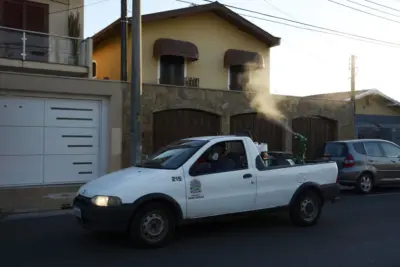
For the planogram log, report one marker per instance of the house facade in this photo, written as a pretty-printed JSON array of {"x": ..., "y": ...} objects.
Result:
[
  {"x": 376, "y": 114},
  {"x": 60, "y": 127},
  {"x": 196, "y": 62}
]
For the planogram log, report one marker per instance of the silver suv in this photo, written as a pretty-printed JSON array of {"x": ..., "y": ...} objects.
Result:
[{"x": 365, "y": 163}]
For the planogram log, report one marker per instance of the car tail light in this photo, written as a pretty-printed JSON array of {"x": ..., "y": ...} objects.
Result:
[{"x": 348, "y": 161}]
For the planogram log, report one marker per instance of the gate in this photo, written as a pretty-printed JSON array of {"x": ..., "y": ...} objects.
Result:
[
  {"x": 317, "y": 130},
  {"x": 263, "y": 130},
  {"x": 175, "y": 124}
]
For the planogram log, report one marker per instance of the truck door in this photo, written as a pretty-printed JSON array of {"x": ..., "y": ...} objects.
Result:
[{"x": 220, "y": 181}]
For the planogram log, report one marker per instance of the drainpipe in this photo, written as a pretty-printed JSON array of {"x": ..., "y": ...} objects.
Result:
[{"x": 123, "y": 20}]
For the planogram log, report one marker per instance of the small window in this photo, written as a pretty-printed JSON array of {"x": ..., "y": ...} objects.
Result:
[
  {"x": 238, "y": 78},
  {"x": 172, "y": 70},
  {"x": 373, "y": 149},
  {"x": 94, "y": 69},
  {"x": 359, "y": 148},
  {"x": 221, "y": 157},
  {"x": 391, "y": 151},
  {"x": 335, "y": 150}
]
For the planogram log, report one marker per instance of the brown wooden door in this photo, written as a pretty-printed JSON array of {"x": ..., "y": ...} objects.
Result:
[
  {"x": 263, "y": 130},
  {"x": 172, "y": 125},
  {"x": 317, "y": 130}
]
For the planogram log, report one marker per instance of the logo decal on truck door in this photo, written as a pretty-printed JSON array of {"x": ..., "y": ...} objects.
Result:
[{"x": 195, "y": 189}]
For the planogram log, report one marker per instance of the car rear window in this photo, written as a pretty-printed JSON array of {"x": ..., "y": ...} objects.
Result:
[
  {"x": 335, "y": 150},
  {"x": 359, "y": 148}
]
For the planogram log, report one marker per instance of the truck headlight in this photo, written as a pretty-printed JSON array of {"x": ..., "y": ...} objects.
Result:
[{"x": 106, "y": 201}]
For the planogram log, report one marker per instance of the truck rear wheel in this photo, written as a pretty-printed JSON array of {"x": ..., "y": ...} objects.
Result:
[
  {"x": 306, "y": 209},
  {"x": 152, "y": 226}
]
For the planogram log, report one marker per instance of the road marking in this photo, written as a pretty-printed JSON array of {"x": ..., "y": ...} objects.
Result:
[{"x": 383, "y": 194}]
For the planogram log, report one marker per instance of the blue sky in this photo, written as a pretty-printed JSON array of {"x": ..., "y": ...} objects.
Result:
[{"x": 306, "y": 62}]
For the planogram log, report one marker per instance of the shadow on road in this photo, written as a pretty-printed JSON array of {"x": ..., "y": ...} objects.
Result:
[
  {"x": 245, "y": 224},
  {"x": 379, "y": 190}
]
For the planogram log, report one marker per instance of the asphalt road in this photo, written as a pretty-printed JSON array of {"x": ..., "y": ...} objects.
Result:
[{"x": 357, "y": 231}]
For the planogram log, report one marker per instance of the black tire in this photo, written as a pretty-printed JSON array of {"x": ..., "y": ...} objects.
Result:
[
  {"x": 157, "y": 213},
  {"x": 306, "y": 209},
  {"x": 365, "y": 183}
]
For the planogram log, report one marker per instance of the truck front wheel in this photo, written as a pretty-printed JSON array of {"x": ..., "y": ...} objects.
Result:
[
  {"x": 153, "y": 225},
  {"x": 306, "y": 209}
]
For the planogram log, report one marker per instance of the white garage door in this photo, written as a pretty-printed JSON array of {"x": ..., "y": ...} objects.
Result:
[{"x": 49, "y": 141}]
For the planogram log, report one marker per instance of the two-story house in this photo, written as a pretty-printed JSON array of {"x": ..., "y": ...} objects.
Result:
[
  {"x": 59, "y": 127},
  {"x": 195, "y": 63}
]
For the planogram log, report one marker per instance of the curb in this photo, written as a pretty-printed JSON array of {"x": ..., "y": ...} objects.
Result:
[{"x": 34, "y": 215}]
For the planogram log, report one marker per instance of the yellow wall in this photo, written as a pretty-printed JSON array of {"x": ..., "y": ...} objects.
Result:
[
  {"x": 212, "y": 36},
  {"x": 107, "y": 57},
  {"x": 375, "y": 106}
]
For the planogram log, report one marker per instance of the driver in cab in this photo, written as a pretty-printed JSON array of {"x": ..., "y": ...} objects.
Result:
[{"x": 215, "y": 160}]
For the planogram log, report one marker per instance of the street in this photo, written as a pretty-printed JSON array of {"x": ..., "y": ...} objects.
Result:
[{"x": 356, "y": 231}]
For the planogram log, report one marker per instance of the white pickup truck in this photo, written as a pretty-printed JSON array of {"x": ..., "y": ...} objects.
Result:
[{"x": 199, "y": 178}]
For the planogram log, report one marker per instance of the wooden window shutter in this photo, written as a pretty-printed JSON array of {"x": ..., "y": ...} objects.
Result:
[
  {"x": 12, "y": 14},
  {"x": 36, "y": 17}
]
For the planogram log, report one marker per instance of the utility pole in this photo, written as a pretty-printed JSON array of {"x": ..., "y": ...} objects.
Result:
[
  {"x": 123, "y": 22},
  {"x": 136, "y": 84},
  {"x": 353, "y": 85}
]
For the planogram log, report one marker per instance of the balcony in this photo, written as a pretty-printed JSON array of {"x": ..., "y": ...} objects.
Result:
[{"x": 34, "y": 52}]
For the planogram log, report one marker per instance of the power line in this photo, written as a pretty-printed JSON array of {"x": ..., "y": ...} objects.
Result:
[
  {"x": 290, "y": 16},
  {"x": 280, "y": 10},
  {"x": 78, "y": 7},
  {"x": 362, "y": 11},
  {"x": 388, "y": 7},
  {"x": 376, "y": 9},
  {"x": 351, "y": 35},
  {"x": 320, "y": 31}
]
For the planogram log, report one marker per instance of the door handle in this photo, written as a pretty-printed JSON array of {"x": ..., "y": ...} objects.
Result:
[
  {"x": 370, "y": 160},
  {"x": 393, "y": 161},
  {"x": 247, "y": 176}
]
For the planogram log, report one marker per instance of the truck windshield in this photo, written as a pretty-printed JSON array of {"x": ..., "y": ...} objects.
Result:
[{"x": 174, "y": 155}]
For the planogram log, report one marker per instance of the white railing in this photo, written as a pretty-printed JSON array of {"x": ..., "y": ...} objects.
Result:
[{"x": 42, "y": 47}]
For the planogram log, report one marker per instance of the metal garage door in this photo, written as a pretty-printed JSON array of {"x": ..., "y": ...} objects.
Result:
[
  {"x": 317, "y": 130},
  {"x": 172, "y": 125},
  {"x": 48, "y": 141},
  {"x": 262, "y": 130}
]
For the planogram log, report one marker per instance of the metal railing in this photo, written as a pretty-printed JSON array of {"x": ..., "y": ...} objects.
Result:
[
  {"x": 192, "y": 82},
  {"x": 42, "y": 47},
  {"x": 186, "y": 81}
]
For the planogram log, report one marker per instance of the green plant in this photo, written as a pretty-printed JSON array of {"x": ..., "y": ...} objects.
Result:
[{"x": 74, "y": 30}]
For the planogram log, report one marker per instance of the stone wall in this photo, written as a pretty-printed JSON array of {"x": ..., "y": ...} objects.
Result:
[{"x": 225, "y": 104}]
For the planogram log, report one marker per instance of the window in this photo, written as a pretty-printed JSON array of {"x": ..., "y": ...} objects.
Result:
[
  {"x": 172, "y": 70},
  {"x": 221, "y": 157},
  {"x": 238, "y": 78},
  {"x": 391, "y": 151},
  {"x": 174, "y": 155},
  {"x": 373, "y": 149},
  {"x": 335, "y": 150},
  {"x": 94, "y": 69},
  {"x": 24, "y": 15},
  {"x": 359, "y": 148}
]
